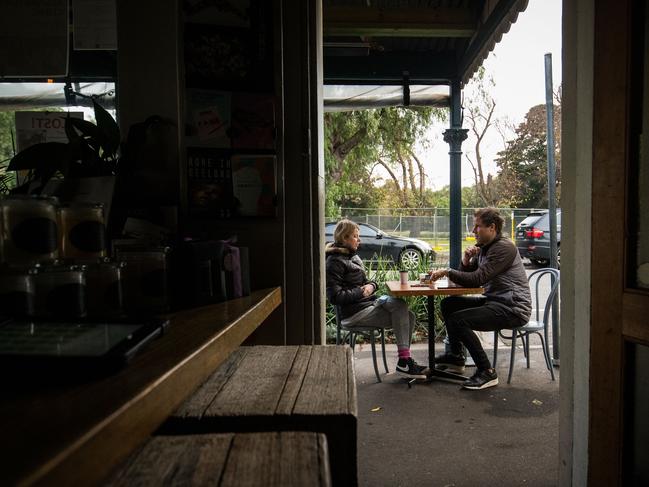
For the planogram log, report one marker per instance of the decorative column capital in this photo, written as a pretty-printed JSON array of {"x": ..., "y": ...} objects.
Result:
[{"x": 455, "y": 136}]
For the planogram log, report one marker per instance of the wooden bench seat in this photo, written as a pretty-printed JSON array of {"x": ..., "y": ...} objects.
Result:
[
  {"x": 281, "y": 459},
  {"x": 280, "y": 388}
]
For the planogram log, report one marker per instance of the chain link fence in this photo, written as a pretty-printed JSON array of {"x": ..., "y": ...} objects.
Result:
[{"x": 429, "y": 224}]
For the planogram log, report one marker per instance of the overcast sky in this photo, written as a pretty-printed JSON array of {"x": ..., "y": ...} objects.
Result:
[{"x": 518, "y": 69}]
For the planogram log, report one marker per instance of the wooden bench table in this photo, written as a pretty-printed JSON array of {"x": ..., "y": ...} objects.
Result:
[
  {"x": 282, "y": 459},
  {"x": 280, "y": 388}
]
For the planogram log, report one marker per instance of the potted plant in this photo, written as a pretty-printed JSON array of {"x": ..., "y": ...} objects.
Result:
[{"x": 91, "y": 151}]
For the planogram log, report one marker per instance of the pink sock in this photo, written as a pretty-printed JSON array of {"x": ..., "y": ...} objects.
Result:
[{"x": 404, "y": 352}]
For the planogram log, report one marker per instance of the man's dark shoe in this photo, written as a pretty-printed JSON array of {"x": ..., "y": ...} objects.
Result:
[
  {"x": 450, "y": 362},
  {"x": 409, "y": 369},
  {"x": 481, "y": 380}
]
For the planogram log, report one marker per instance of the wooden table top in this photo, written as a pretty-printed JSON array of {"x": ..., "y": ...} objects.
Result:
[
  {"x": 439, "y": 288},
  {"x": 73, "y": 434}
]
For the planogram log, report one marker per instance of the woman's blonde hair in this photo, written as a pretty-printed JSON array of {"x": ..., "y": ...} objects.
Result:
[{"x": 344, "y": 229}]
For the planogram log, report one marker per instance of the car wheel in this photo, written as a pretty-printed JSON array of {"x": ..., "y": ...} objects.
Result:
[
  {"x": 559, "y": 258},
  {"x": 410, "y": 258},
  {"x": 540, "y": 262}
]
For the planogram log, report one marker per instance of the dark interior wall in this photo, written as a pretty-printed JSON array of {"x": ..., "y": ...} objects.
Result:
[{"x": 285, "y": 250}]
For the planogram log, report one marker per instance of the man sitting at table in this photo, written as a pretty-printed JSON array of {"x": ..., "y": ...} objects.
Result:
[
  {"x": 349, "y": 288},
  {"x": 493, "y": 262}
]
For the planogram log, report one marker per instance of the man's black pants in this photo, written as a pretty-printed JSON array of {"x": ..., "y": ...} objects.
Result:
[{"x": 463, "y": 314}]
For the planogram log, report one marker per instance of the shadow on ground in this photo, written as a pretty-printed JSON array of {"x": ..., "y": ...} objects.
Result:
[{"x": 436, "y": 434}]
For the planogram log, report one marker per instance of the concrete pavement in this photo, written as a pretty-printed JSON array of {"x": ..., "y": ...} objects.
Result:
[{"x": 436, "y": 434}]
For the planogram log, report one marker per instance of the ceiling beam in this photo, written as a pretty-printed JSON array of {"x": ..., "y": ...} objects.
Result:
[
  {"x": 402, "y": 22},
  {"x": 389, "y": 68}
]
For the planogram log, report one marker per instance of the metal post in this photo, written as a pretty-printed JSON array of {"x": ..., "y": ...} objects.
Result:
[
  {"x": 435, "y": 227},
  {"x": 454, "y": 136},
  {"x": 552, "y": 204}
]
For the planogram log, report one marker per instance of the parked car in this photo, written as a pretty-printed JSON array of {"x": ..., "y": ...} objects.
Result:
[
  {"x": 533, "y": 237},
  {"x": 405, "y": 252}
]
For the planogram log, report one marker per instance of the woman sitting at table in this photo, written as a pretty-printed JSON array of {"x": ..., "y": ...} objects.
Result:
[{"x": 355, "y": 295}]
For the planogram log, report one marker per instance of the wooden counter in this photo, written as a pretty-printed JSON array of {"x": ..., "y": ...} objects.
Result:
[{"x": 74, "y": 434}]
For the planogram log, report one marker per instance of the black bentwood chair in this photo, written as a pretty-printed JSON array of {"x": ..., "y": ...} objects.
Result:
[
  {"x": 366, "y": 331},
  {"x": 534, "y": 326}
]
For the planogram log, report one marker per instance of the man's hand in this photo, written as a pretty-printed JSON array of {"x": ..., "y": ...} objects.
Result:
[
  {"x": 368, "y": 289},
  {"x": 469, "y": 253},
  {"x": 438, "y": 274}
]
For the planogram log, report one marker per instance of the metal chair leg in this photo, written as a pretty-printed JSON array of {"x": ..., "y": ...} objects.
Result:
[
  {"x": 352, "y": 341},
  {"x": 495, "y": 348},
  {"x": 526, "y": 346},
  {"x": 376, "y": 368},
  {"x": 385, "y": 362},
  {"x": 512, "y": 356},
  {"x": 546, "y": 354}
]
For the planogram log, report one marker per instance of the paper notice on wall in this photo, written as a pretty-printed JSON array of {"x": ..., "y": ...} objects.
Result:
[{"x": 95, "y": 24}]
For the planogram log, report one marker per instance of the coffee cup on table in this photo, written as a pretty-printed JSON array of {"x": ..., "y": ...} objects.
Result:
[{"x": 403, "y": 277}]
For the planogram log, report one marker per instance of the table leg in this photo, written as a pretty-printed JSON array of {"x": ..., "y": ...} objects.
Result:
[
  {"x": 436, "y": 373},
  {"x": 431, "y": 332}
]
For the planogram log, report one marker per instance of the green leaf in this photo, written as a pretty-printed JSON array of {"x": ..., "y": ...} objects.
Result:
[
  {"x": 39, "y": 155},
  {"x": 87, "y": 129},
  {"x": 108, "y": 128}
]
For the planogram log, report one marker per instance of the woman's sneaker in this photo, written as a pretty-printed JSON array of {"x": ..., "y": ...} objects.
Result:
[
  {"x": 407, "y": 367},
  {"x": 450, "y": 362},
  {"x": 481, "y": 380}
]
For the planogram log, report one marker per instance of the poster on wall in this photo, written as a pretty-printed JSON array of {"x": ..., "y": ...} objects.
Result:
[
  {"x": 207, "y": 120},
  {"x": 253, "y": 121},
  {"x": 253, "y": 185},
  {"x": 35, "y": 127},
  {"x": 209, "y": 183}
]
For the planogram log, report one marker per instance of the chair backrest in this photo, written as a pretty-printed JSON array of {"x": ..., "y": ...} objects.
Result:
[{"x": 537, "y": 277}]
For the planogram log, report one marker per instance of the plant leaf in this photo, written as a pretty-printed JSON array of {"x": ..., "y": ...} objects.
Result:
[
  {"x": 87, "y": 129},
  {"x": 108, "y": 128},
  {"x": 39, "y": 155}
]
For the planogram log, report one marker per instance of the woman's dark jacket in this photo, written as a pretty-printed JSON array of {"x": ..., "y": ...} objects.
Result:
[{"x": 345, "y": 278}]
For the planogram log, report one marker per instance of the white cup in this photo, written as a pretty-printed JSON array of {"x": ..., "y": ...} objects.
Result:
[{"x": 403, "y": 277}]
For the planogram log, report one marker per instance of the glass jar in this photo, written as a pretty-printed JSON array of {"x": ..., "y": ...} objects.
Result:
[
  {"x": 83, "y": 232},
  {"x": 104, "y": 297},
  {"x": 144, "y": 279},
  {"x": 60, "y": 292},
  {"x": 17, "y": 292},
  {"x": 28, "y": 230}
]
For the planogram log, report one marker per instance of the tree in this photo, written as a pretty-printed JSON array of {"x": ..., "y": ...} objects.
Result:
[
  {"x": 7, "y": 144},
  {"x": 357, "y": 143},
  {"x": 523, "y": 162},
  {"x": 479, "y": 113},
  {"x": 7, "y": 135}
]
